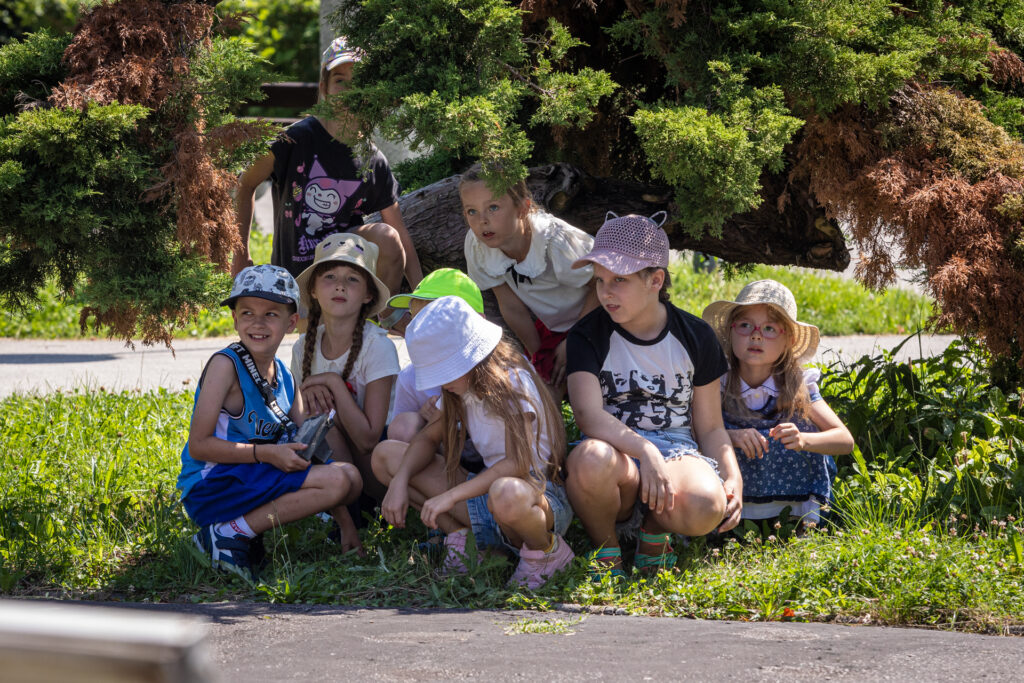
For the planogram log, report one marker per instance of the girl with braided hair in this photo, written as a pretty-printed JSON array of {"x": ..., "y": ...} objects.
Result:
[{"x": 344, "y": 362}]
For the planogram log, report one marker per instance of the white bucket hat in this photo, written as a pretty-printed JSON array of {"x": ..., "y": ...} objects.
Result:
[
  {"x": 770, "y": 293},
  {"x": 447, "y": 340}
]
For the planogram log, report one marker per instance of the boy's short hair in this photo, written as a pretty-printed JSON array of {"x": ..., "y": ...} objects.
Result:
[
  {"x": 443, "y": 282},
  {"x": 273, "y": 283}
]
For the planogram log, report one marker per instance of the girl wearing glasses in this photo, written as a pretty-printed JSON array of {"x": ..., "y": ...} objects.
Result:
[{"x": 773, "y": 411}]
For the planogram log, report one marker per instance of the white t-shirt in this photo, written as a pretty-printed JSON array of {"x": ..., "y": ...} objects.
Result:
[
  {"x": 377, "y": 358},
  {"x": 488, "y": 430},
  {"x": 545, "y": 280},
  {"x": 409, "y": 399}
]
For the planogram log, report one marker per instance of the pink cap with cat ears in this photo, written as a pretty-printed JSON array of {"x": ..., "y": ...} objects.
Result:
[{"x": 628, "y": 244}]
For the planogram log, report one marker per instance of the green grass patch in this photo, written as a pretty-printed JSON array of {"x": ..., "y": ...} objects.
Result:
[
  {"x": 928, "y": 527},
  {"x": 836, "y": 305}
]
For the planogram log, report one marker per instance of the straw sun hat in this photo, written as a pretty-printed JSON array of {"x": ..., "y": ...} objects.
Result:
[{"x": 776, "y": 295}]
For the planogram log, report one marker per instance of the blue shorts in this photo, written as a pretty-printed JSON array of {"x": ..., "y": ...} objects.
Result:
[
  {"x": 488, "y": 533},
  {"x": 675, "y": 444},
  {"x": 230, "y": 491}
]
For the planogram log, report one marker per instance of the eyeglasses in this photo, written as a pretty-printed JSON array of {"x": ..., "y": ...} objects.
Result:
[{"x": 768, "y": 331}]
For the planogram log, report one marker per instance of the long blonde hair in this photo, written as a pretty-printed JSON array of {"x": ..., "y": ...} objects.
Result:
[
  {"x": 490, "y": 381},
  {"x": 793, "y": 399}
]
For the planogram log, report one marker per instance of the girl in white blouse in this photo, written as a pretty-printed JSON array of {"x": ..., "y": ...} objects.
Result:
[{"x": 525, "y": 256}]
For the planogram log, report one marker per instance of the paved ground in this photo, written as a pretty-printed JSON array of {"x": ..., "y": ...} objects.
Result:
[
  {"x": 47, "y": 365},
  {"x": 253, "y": 643}
]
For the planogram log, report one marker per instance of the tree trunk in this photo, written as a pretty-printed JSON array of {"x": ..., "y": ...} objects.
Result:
[{"x": 798, "y": 234}]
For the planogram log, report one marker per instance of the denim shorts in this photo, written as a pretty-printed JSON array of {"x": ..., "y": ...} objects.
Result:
[
  {"x": 674, "y": 444},
  {"x": 489, "y": 535}
]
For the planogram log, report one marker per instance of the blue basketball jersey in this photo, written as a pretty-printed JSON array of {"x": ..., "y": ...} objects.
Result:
[{"x": 255, "y": 424}]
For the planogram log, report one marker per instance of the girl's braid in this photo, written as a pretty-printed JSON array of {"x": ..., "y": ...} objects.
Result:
[
  {"x": 357, "y": 341},
  {"x": 312, "y": 325}
]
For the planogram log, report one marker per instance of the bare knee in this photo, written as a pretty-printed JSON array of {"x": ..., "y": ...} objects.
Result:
[
  {"x": 509, "y": 498},
  {"x": 699, "y": 508},
  {"x": 405, "y": 426},
  {"x": 386, "y": 459},
  {"x": 592, "y": 465}
]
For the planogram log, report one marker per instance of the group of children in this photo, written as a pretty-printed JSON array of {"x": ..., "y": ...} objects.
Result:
[{"x": 470, "y": 433}]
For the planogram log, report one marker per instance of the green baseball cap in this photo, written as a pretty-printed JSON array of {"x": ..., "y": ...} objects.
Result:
[{"x": 443, "y": 282}]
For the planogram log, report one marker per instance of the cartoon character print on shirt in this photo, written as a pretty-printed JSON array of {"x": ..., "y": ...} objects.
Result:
[
  {"x": 641, "y": 401},
  {"x": 322, "y": 198}
]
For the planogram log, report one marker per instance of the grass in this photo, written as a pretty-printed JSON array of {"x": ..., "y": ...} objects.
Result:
[
  {"x": 836, "y": 305},
  {"x": 88, "y": 510}
]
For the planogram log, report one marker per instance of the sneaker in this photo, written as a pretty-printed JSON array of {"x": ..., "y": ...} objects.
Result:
[
  {"x": 536, "y": 566},
  {"x": 455, "y": 552},
  {"x": 226, "y": 553}
]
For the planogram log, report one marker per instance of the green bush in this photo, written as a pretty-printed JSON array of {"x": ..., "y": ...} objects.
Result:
[{"x": 284, "y": 32}]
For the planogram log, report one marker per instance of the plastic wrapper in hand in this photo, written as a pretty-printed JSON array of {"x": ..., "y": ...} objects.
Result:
[{"x": 313, "y": 433}]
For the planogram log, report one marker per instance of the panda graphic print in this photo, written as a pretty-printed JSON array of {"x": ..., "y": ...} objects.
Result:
[{"x": 647, "y": 384}]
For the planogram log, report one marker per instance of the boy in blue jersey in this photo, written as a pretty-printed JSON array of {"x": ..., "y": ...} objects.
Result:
[{"x": 239, "y": 475}]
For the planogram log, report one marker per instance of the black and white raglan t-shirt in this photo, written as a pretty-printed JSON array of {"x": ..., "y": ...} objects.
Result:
[{"x": 647, "y": 384}]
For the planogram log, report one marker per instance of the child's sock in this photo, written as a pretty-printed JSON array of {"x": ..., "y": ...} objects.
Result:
[
  {"x": 235, "y": 527},
  {"x": 554, "y": 542}
]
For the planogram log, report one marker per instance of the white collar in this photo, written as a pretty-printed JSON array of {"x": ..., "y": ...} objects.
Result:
[
  {"x": 766, "y": 388},
  {"x": 497, "y": 263}
]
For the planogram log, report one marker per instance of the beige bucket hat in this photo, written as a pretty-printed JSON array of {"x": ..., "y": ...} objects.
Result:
[
  {"x": 776, "y": 295},
  {"x": 346, "y": 247}
]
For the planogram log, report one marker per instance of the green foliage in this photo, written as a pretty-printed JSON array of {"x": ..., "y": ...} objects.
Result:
[
  {"x": 31, "y": 66},
  {"x": 286, "y": 33},
  {"x": 79, "y": 188},
  {"x": 417, "y": 172},
  {"x": 53, "y": 315},
  {"x": 99, "y": 517},
  {"x": 21, "y": 17},
  {"x": 838, "y": 306},
  {"x": 935, "y": 437},
  {"x": 714, "y": 160},
  {"x": 454, "y": 75}
]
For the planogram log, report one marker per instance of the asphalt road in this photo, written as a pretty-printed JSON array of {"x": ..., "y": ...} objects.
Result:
[
  {"x": 252, "y": 643},
  {"x": 36, "y": 365}
]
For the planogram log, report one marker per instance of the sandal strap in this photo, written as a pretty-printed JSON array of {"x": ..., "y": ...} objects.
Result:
[{"x": 663, "y": 538}]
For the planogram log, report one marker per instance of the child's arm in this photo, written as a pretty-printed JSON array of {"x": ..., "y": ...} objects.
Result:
[
  {"x": 656, "y": 489},
  {"x": 362, "y": 425},
  {"x": 833, "y": 438},
  {"x": 393, "y": 217},
  {"x": 247, "y": 184},
  {"x": 218, "y": 382},
  {"x": 558, "y": 368},
  {"x": 420, "y": 453},
  {"x": 517, "y": 317},
  {"x": 714, "y": 443}
]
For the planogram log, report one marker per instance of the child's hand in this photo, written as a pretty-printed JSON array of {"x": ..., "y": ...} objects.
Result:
[
  {"x": 789, "y": 436},
  {"x": 434, "y": 508},
  {"x": 429, "y": 410},
  {"x": 395, "y": 505},
  {"x": 656, "y": 488},
  {"x": 749, "y": 441},
  {"x": 283, "y": 456},
  {"x": 318, "y": 399}
]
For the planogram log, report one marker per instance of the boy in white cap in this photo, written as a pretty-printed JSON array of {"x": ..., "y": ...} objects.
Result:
[
  {"x": 321, "y": 188},
  {"x": 240, "y": 476}
]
